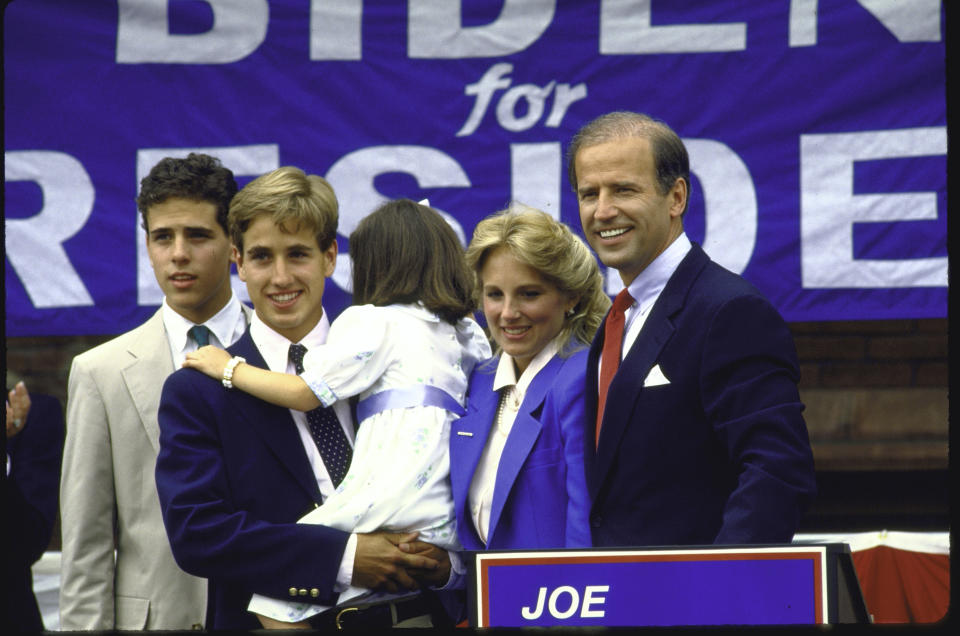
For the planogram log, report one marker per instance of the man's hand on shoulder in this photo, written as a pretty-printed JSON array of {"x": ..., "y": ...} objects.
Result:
[{"x": 380, "y": 564}]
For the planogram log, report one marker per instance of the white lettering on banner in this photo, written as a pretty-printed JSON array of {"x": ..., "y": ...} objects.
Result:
[
  {"x": 34, "y": 245},
  {"x": 143, "y": 34},
  {"x": 915, "y": 21},
  {"x": 335, "y": 32},
  {"x": 535, "y": 176},
  {"x": 729, "y": 201},
  {"x": 253, "y": 160},
  {"x": 352, "y": 179},
  {"x": 591, "y": 597},
  {"x": 436, "y": 30},
  {"x": 803, "y": 22},
  {"x": 534, "y": 96},
  {"x": 626, "y": 28},
  {"x": 829, "y": 209}
]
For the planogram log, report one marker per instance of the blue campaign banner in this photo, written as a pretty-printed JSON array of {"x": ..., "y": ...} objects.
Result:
[
  {"x": 816, "y": 130},
  {"x": 729, "y": 586}
]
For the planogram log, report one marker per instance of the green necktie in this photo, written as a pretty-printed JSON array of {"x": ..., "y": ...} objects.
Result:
[{"x": 200, "y": 335}]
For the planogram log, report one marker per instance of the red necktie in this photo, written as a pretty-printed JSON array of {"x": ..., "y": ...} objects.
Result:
[{"x": 612, "y": 344}]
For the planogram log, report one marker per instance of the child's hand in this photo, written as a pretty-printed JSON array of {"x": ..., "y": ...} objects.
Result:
[{"x": 209, "y": 360}]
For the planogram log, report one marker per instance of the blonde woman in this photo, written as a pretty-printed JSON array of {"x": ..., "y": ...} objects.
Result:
[{"x": 516, "y": 457}]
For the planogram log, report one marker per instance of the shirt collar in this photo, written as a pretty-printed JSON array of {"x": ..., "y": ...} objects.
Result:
[
  {"x": 646, "y": 287},
  {"x": 223, "y": 324},
  {"x": 506, "y": 371},
  {"x": 274, "y": 347}
]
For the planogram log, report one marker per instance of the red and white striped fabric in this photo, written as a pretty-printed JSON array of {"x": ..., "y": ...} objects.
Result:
[{"x": 905, "y": 576}]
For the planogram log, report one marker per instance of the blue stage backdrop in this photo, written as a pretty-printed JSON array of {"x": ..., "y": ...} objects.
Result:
[{"x": 816, "y": 130}]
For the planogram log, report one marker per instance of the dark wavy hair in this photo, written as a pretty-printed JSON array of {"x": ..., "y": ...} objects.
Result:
[
  {"x": 199, "y": 177},
  {"x": 404, "y": 252}
]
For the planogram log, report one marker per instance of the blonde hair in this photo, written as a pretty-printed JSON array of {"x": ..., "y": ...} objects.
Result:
[
  {"x": 539, "y": 241},
  {"x": 286, "y": 194}
]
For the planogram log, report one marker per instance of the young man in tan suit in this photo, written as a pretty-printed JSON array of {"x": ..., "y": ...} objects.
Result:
[{"x": 117, "y": 570}]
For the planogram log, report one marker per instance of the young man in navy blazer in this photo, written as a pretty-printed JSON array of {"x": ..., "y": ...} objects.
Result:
[
  {"x": 234, "y": 473},
  {"x": 700, "y": 438}
]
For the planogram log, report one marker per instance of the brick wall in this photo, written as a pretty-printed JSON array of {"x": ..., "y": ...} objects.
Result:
[{"x": 876, "y": 393}]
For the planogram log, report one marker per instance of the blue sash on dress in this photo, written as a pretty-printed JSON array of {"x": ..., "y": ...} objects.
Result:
[{"x": 420, "y": 395}]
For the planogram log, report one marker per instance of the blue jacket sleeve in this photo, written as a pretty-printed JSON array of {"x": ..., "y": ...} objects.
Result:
[
  {"x": 749, "y": 388},
  {"x": 565, "y": 404}
]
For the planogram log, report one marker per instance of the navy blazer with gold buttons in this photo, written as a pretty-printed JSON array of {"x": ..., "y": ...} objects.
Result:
[{"x": 233, "y": 479}]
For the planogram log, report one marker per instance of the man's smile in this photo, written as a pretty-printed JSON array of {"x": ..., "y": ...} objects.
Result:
[
  {"x": 284, "y": 298},
  {"x": 614, "y": 233}
]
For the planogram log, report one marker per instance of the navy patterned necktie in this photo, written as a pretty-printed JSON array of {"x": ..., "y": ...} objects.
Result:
[
  {"x": 325, "y": 429},
  {"x": 200, "y": 335}
]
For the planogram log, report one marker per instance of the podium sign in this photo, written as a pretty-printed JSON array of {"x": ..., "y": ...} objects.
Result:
[{"x": 770, "y": 585}]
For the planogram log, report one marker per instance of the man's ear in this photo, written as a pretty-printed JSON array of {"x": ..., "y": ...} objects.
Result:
[
  {"x": 678, "y": 197},
  {"x": 237, "y": 257},
  {"x": 330, "y": 259}
]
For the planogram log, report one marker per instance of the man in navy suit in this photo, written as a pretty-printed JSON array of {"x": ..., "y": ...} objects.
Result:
[
  {"x": 34, "y": 439},
  {"x": 234, "y": 473},
  {"x": 694, "y": 433}
]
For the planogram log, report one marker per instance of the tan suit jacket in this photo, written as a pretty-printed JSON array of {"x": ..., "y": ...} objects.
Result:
[{"x": 107, "y": 490}]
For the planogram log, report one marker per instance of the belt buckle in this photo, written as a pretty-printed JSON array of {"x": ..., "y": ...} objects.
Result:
[{"x": 336, "y": 620}]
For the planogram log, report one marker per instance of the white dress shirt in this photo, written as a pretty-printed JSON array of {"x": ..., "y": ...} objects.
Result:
[
  {"x": 275, "y": 351},
  {"x": 226, "y": 327},
  {"x": 647, "y": 287},
  {"x": 274, "y": 348}
]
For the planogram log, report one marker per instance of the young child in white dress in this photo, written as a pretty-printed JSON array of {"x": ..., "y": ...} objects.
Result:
[{"x": 406, "y": 349}]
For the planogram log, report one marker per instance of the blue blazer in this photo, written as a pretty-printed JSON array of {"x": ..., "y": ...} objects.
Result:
[
  {"x": 540, "y": 495},
  {"x": 720, "y": 453},
  {"x": 233, "y": 479}
]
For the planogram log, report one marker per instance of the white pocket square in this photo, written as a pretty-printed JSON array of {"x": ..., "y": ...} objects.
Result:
[{"x": 655, "y": 377}]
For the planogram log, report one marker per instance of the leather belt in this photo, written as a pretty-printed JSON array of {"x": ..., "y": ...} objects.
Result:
[{"x": 383, "y": 614}]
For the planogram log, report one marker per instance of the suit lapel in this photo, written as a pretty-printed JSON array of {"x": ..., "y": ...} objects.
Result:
[
  {"x": 273, "y": 424},
  {"x": 469, "y": 436},
  {"x": 590, "y": 409},
  {"x": 626, "y": 387},
  {"x": 151, "y": 365},
  {"x": 144, "y": 376},
  {"x": 521, "y": 440}
]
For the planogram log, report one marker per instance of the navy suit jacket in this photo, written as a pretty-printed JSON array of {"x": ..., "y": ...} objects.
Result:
[
  {"x": 720, "y": 453},
  {"x": 540, "y": 495},
  {"x": 233, "y": 479},
  {"x": 30, "y": 507}
]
